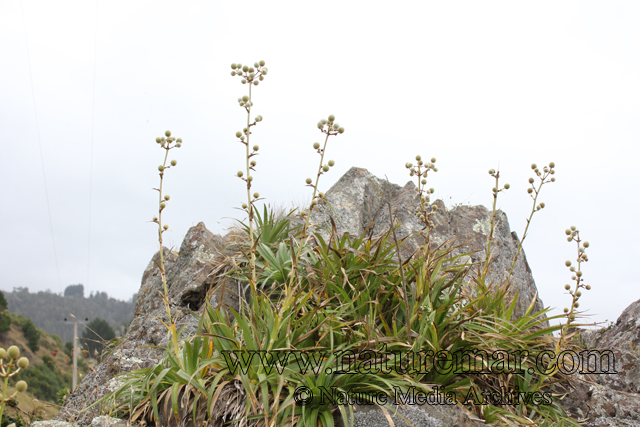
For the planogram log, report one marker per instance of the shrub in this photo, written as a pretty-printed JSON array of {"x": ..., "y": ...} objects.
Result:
[{"x": 32, "y": 334}]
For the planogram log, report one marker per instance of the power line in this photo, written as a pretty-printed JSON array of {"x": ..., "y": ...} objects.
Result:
[
  {"x": 44, "y": 177},
  {"x": 93, "y": 108}
]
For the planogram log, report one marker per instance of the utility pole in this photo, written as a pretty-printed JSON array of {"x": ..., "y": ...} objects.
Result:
[{"x": 75, "y": 351}]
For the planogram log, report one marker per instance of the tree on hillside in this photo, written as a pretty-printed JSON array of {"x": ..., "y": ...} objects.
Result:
[
  {"x": 32, "y": 334},
  {"x": 5, "y": 319},
  {"x": 97, "y": 333},
  {"x": 74, "y": 291}
]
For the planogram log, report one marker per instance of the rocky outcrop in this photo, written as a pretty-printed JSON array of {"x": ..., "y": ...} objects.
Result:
[
  {"x": 610, "y": 397},
  {"x": 359, "y": 201}
]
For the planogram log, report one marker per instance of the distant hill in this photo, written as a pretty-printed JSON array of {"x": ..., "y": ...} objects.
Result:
[
  {"x": 48, "y": 310},
  {"x": 49, "y": 371}
]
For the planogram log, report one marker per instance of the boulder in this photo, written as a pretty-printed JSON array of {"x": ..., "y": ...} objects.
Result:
[
  {"x": 359, "y": 202},
  {"x": 612, "y": 398}
]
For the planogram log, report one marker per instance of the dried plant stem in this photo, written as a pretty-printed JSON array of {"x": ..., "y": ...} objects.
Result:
[{"x": 252, "y": 260}]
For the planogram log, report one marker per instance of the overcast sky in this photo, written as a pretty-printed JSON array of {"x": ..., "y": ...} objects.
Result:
[{"x": 86, "y": 87}]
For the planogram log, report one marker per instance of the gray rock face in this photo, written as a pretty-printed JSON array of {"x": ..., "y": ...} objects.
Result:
[
  {"x": 611, "y": 399},
  {"x": 190, "y": 274},
  {"x": 359, "y": 201}
]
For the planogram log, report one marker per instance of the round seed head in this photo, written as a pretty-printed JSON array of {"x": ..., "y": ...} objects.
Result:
[
  {"x": 158, "y": 140},
  {"x": 433, "y": 160},
  {"x": 13, "y": 352},
  {"x": 23, "y": 363},
  {"x": 332, "y": 118},
  {"x": 21, "y": 386},
  {"x": 233, "y": 73},
  {"x": 323, "y": 121},
  {"x": 418, "y": 158},
  {"x": 240, "y": 173},
  {"x": 431, "y": 190},
  {"x": 552, "y": 165},
  {"x": 434, "y": 207},
  {"x": 308, "y": 181},
  {"x": 167, "y": 133},
  {"x": 579, "y": 273},
  {"x": 542, "y": 205},
  {"x": 251, "y": 70},
  {"x": 256, "y": 195},
  {"x": 573, "y": 228},
  {"x": 264, "y": 71},
  {"x": 553, "y": 179},
  {"x": 321, "y": 195},
  {"x": 316, "y": 145},
  {"x": 233, "y": 66},
  {"x": 407, "y": 165},
  {"x": 325, "y": 168},
  {"x": 244, "y": 206},
  {"x": 314, "y": 202},
  {"x": 566, "y": 310},
  {"x": 572, "y": 317},
  {"x": 245, "y": 98},
  {"x": 155, "y": 219},
  {"x": 341, "y": 130},
  {"x": 160, "y": 168},
  {"x": 572, "y": 268},
  {"x": 567, "y": 287},
  {"x": 162, "y": 205},
  {"x": 243, "y": 81},
  {"x": 529, "y": 190},
  {"x": 578, "y": 294},
  {"x": 567, "y": 263},
  {"x": 569, "y": 239},
  {"x": 179, "y": 140},
  {"x": 585, "y": 244},
  {"x": 249, "y": 178},
  {"x": 253, "y": 163},
  {"x": 588, "y": 287},
  {"x": 174, "y": 162},
  {"x": 256, "y": 148},
  {"x": 531, "y": 180},
  {"x": 424, "y": 181},
  {"x": 533, "y": 166},
  {"x": 167, "y": 197},
  {"x": 255, "y": 64},
  {"x": 492, "y": 171},
  {"x": 245, "y": 68},
  {"x": 567, "y": 232},
  {"x": 3, "y": 353},
  {"x": 331, "y": 163},
  {"x": 256, "y": 82},
  {"x": 319, "y": 125},
  {"x": 262, "y": 63}
]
